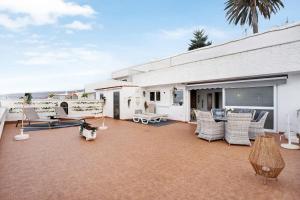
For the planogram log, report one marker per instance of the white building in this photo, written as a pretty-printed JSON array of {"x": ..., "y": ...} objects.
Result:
[{"x": 260, "y": 72}]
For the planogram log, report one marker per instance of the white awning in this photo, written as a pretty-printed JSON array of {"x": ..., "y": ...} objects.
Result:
[{"x": 255, "y": 82}]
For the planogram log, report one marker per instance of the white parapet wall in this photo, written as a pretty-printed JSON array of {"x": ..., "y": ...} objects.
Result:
[
  {"x": 46, "y": 107},
  {"x": 3, "y": 113}
]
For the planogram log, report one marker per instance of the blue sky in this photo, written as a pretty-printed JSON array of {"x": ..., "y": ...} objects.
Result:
[{"x": 60, "y": 45}]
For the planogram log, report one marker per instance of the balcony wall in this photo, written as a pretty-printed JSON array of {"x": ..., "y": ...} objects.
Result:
[{"x": 46, "y": 107}]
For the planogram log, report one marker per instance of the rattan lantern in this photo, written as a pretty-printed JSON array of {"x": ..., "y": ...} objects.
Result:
[{"x": 265, "y": 157}]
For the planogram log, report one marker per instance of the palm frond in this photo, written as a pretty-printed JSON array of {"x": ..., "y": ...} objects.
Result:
[{"x": 242, "y": 11}]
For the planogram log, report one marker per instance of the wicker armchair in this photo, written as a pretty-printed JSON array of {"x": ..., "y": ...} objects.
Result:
[
  {"x": 243, "y": 110},
  {"x": 209, "y": 129},
  {"x": 237, "y": 128},
  {"x": 198, "y": 128},
  {"x": 218, "y": 112},
  {"x": 257, "y": 126}
]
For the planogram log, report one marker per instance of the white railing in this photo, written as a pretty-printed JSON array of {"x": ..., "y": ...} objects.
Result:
[
  {"x": 46, "y": 107},
  {"x": 3, "y": 113}
]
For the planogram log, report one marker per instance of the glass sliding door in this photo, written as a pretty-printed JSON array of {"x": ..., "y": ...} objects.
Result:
[{"x": 256, "y": 98}]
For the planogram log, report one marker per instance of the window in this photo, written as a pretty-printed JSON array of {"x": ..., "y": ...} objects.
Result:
[
  {"x": 101, "y": 95},
  {"x": 152, "y": 96},
  {"x": 178, "y": 97},
  {"x": 254, "y": 98},
  {"x": 259, "y": 96},
  {"x": 155, "y": 96}
]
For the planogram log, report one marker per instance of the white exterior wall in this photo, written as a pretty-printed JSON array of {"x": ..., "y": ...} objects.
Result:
[
  {"x": 165, "y": 105},
  {"x": 108, "y": 106},
  {"x": 137, "y": 101},
  {"x": 126, "y": 112},
  {"x": 289, "y": 103}
]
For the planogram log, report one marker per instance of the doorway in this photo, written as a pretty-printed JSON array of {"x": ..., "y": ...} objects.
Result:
[
  {"x": 218, "y": 98},
  {"x": 209, "y": 101},
  {"x": 205, "y": 100},
  {"x": 65, "y": 105},
  {"x": 193, "y": 99},
  {"x": 116, "y": 106}
]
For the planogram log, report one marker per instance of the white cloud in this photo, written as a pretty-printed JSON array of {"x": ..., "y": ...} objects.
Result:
[
  {"x": 176, "y": 33},
  {"x": 69, "y": 32},
  {"x": 18, "y": 14},
  {"x": 6, "y": 36},
  {"x": 77, "y": 25},
  {"x": 58, "y": 67},
  {"x": 16, "y": 23},
  {"x": 69, "y": 55}
]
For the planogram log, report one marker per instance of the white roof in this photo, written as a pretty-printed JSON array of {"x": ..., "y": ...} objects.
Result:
[
  {"x": 276, "y": 36},
  {"x": 109, "y": 84}
]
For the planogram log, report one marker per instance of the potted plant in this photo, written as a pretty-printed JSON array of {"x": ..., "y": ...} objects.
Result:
[
  {"x": 51, "y": 95},
  {"x": 84, "y": 95},
  {"x": 103, "y": 100},
  {"x": 27, "y": 98}
]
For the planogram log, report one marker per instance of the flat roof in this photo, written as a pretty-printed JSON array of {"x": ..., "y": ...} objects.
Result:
[{"x": 163, "y": 62}]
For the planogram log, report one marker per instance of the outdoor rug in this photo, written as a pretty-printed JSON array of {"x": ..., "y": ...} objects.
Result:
[{"x": 45, "y": 126}]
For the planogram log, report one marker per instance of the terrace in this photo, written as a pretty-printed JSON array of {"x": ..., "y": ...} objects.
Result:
[{"x": 135, "y": 161}]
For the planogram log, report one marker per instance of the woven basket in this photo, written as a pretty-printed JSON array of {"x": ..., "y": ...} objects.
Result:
[{"x": 265, "y": 157}]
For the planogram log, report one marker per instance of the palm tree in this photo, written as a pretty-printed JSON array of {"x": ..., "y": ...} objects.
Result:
[
  {"x": 200, "y": 40},
  {"x": 246, "y": 11}
]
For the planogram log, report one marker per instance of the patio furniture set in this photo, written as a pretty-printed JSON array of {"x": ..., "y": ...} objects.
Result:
[
  {"x": 85, "y": 129},
  {"x": 235, "y": 128},
  {"x": 32, "y": 116}
]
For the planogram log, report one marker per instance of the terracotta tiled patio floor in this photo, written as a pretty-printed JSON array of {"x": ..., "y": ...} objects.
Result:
[{"x": 134, "y": 161}]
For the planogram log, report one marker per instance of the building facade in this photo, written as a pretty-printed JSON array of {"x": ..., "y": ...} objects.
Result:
[{"x": 260, "y": 72}]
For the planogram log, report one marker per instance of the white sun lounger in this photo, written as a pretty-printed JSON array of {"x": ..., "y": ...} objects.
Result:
[
  {"x": 149, "y": 117},
  {"x": 32, "y": 116},
  {"x": 62, "y": 115}
]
